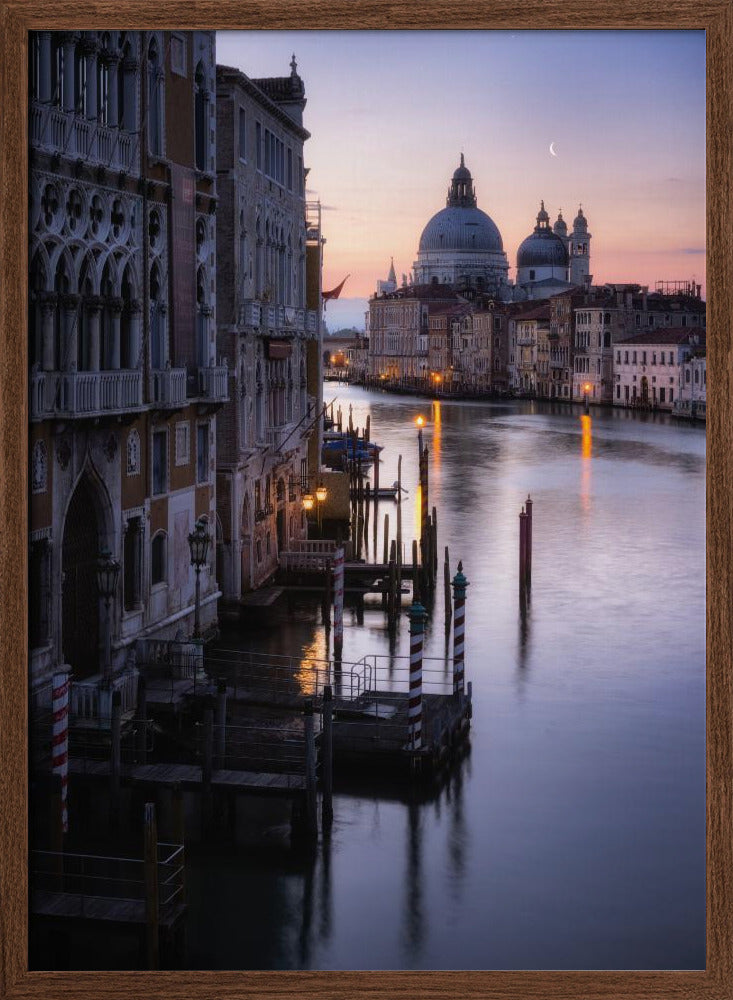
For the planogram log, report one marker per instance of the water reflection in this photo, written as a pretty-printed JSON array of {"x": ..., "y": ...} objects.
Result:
[
  {"x": 414, "y": 917},
  {"x": 586, "y": 453}
]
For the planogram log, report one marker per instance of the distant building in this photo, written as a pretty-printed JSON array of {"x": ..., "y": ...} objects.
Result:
[
  {"x": 648, "y": 368},
  {"x": 691, "y": 398}
]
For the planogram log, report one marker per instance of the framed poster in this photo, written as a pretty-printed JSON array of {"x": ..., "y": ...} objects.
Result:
[{"x": 145, "y": 453}]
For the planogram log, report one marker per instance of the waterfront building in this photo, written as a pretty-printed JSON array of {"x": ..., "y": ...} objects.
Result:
[
  {"x": 561, "y": 343},
  {"x": 125, "y": 382},
  {"x": 691, "y": 398},
  {"x": 269, "y": 255},
  {"x": 615, "y": 312},
  {"x": 461, "y": 258},
  {"x": 649, "y": 372},
  {"x": 529, "y": 335}
]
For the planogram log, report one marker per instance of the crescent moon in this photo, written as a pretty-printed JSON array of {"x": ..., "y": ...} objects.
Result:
[{"x": 552, "y": 151}]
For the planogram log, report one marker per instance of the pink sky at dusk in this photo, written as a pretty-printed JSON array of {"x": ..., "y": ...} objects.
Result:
[{"x": 390, "y": 112}]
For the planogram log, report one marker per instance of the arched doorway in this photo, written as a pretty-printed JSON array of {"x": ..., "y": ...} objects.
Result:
[{"x": 80, "y": 598}]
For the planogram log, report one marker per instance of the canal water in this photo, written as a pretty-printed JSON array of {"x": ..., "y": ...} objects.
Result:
[{"x": 573, "y": 835}]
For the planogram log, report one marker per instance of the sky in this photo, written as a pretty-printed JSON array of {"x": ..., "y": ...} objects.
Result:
[{"x": 390, "y": 113}]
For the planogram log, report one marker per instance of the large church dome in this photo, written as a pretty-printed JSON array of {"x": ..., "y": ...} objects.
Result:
[
  {"x": 461, "y": 243},
  {"x": 461, "y": 229}
]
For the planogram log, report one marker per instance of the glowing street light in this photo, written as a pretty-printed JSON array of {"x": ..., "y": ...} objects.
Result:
[
  {"x": 198, "y": 542},
  {"x": 308, "y": 501}
]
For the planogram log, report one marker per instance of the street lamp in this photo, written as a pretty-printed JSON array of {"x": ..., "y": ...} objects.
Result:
[
  {"x": 198, "y": 542},
  {"x": 108, "y": 571},
  {"x": 586, "y": 390},
  {"x": 321, "y": 494}
]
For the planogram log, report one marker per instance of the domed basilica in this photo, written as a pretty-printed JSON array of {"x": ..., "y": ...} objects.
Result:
[{"x": 462, "y": 245}]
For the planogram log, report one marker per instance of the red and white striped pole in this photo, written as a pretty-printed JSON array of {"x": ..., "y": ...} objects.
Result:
[
  {"x": 60, "y": 738},
  {"x": 459, "y": 629},
  {"x": 418, "y": 617},
  {"x": 338, "y": 602}
]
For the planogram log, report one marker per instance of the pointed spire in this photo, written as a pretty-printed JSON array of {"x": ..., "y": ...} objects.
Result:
[
  {"x": 392, "y": 276},
  {"x": 463, "y": 162},
  {"x": 293, "y": 66}
]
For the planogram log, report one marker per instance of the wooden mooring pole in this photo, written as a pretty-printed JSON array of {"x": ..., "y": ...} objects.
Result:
[
  {"x": 221, "y": 721},
  {"x": 338, "y": 603},
  {"x": 207, "y": 767},
  {"x": 459, "y": 630},
  {"x": 115, "y": 758},
  {"x": 522, "y": 550},
  {"x": 327, "y": 759},
  {"x": 418, "y": 616},
  {"x": 141, "y": 737},
  {"x": 311, "y": 813},
  {"x": 152, "y": 915},
  {"x": 415, "y": 574},
  {"x": 528, "y": 508},
  {"x": 447, "y": 590}
]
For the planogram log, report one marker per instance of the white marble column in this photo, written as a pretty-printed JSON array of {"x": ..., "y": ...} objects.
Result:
[
  {"x": 112, "y": 86},
  {"x": 69, "y": 43},
  {"x": 48, "y": 310},
  {"x": 115, "y": 307},
  {"x": 44, "y": 82},
  {"x": 90, "y": 54},
  {"x": 93, "y": 308}
]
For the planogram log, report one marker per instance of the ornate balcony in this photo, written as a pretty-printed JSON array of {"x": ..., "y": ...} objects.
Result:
[
  {"x": 91, "y": 699},
  {"x": 213, "y": 382},
  {"x": 84, "y": 394},
  {"x": 250, "y": 313},
  {"x": 168, "y": 387},
  {"x": 57, "y": 131}
]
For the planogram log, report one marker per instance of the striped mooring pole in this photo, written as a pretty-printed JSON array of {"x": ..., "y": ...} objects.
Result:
[
  {"x": 338, "y": 602},
  {"x": 459, "y": 629},
  {"x": 418, "y": 617},
  {"x": 60, "y": 738}
]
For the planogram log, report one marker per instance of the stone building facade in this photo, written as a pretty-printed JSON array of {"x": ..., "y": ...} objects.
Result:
[
  {"x": 124, "y": 382},
  {"x": 269, "y": 253},
  {"x": 649, "y": 368}
]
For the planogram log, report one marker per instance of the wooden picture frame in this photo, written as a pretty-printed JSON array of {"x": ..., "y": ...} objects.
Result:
[{"x": 17, "y": 17}]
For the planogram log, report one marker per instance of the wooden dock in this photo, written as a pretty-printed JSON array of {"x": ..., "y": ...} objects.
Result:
[
  {"x": 191, "y": 776},
  {"x": 373, "y": 732}
]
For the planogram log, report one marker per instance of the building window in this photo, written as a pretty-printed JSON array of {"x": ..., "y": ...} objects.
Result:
[
  {"x": 39, "y": 469},
  {"x": 202, "y": 453},
  {"x": 200, "y": 116},
  {"x": 158, "y": 560},
  {"x": 39, "y": 569},
  {"x": 290, "y": 170},
  {"x": 133, "y": 453},
  {"x": 242, "y": 134},
  {"x": 155, "y": 111},
  {"x": 160, "y": 462},
  {"x": 531, "y": 275},
  {"x": 183, "y": 443},
  {"x": 178, "y": 55},
  {"x": 132, "y": 563},
  {"x": 662, "y": 397},
  {"x": 258, "y": 144}
]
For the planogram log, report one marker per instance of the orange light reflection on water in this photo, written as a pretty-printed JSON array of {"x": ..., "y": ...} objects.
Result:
[
  {"x": 437, "y": 434},
  {"x": 314, "y": 662},
  {"x": 586, "y": 453}
]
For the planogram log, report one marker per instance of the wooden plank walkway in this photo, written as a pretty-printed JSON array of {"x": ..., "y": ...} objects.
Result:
[
  {"x": 81, "y": 906},
  {"x": 190, "y": 775},
  {"x": 262, "y": 598}
]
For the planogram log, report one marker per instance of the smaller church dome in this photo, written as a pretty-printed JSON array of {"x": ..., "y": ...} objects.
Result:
[
  {"x": 561, "y": 227},
  {"x": 580, "y": 221},
  {"x": 543, "y": 248}
]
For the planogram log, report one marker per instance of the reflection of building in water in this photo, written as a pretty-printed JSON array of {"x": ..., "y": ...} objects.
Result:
[
  {"x": 437, "y": 434},
  {"x": 414, "y": 919}
]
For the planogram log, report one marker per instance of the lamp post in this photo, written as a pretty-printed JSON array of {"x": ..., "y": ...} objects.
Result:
[
  {"x": 198, "y": 542},
  {"x": 108, "y": 571}
]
